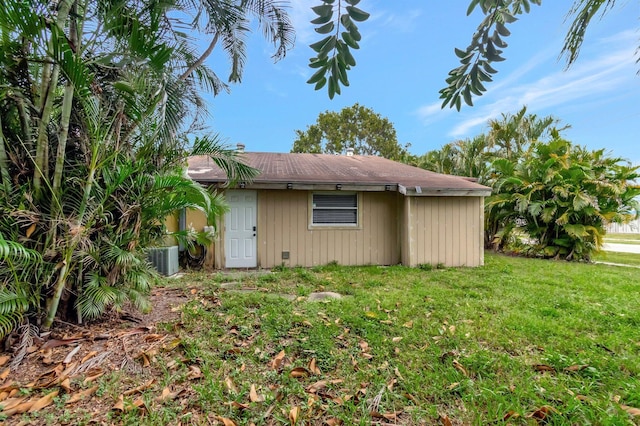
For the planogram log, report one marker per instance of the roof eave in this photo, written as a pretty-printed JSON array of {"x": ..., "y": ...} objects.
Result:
[
  {"x": 416, "y": 191},
  {"x": 444, "y": 192}
]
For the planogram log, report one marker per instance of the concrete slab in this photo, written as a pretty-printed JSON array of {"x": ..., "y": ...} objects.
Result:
[
  {"x": 618, "y": 264},
  {"x": 323, "y": 295},
  {"x": 622, "y": 248}
]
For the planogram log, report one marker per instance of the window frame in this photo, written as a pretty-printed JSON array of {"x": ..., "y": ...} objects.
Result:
[{"x": 346, "y": 226}]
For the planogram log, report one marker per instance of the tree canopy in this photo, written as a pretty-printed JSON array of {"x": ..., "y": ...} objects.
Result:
[
  {"x": 551, "y": 198},
  {"x": 356, "y": 127},
  {"x": 557, "y": 199}
]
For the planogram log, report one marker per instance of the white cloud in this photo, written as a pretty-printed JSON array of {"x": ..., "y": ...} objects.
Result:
[
  {"x": 590, "y": 79},
  {"x": 404, "y": 23},
  {"x": 426, "y": 111},
  {"x": 301, "y": 16}
]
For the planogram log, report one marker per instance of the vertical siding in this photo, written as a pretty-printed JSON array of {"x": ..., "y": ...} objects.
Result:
[
  {"x": 171, "y": 222},
  {"x": 196, "y": 220},
  {"x": 283, "y": 225},
  {"x": 446, "y": 230},
  {"x": 410, "y": 230},
  {"x": 404, "y": 224}
]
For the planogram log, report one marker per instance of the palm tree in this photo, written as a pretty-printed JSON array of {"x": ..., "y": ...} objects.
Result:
[
  {"x": 512, "y": 134},
  {"x": 94, "y": 99},
  {"x": 561, "y": 197}
]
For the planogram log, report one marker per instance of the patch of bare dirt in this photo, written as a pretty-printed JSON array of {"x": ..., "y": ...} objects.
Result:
[{"x": 72, "y": 358}]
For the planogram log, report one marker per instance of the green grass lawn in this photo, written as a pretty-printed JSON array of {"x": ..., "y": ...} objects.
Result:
[
  {"x": 518, "y": 341},
  {"x": 505, "y": 343}
]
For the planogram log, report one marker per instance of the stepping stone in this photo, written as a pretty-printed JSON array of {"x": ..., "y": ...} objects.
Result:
[{"x": 323, "y": 295}]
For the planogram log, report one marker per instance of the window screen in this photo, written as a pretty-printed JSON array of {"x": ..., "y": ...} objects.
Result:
[{"x": 335, "y": 209}]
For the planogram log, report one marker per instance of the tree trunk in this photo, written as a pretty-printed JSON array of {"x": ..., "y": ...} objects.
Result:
[
  {"x": 4, "y": 164},
  {"x": 200, "y": 60},
  {"x": 48, "y": 90},
  {"x": 67, "y": 104},
  {"x": 53, "y": 302}
]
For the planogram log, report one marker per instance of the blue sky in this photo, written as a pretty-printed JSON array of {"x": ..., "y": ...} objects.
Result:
[{"x": 404, "y": 57}]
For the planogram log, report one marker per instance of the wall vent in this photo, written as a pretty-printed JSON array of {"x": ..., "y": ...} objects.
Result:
[{"x": 164, "y": 259}]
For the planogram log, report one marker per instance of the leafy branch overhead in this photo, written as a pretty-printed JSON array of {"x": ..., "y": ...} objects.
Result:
[
  {"x": 486, "y": 47},
  {"x": 334, "y": 57}
]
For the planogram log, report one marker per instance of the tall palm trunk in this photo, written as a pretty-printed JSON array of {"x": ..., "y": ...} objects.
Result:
[
  {"x": 49, "y": 85},
  {"x": 65, "y": 270},
  {"x": 67, "y": 104},
  {"x": 5, "y": 177}
]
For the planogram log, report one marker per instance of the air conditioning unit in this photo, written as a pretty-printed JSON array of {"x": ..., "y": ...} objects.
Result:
[{"x": 164, "y": 259}]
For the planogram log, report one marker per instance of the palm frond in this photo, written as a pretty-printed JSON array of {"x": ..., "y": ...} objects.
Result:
[
  {"x": 275, "y": 23},
  {"x": 16, "y": 253},
  {"x": 229, "y": 160},
  {"x": 234, "y": 43},
  {"x": 584, "y": 11},
  {"x": 97, "y": 296},
  {"x": 13, "y": 306},
  {"x": 9, "y": 322},
  {"x": 173, "y": 192}
]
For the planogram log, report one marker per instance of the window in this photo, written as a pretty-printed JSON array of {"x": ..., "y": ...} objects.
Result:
[{"x": 335, "y": 209}]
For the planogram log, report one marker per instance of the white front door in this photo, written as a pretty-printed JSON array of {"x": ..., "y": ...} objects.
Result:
[{"x": 240, "y": 230}]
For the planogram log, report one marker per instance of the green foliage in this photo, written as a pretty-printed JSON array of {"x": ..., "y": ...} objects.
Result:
[
  {"x": 487, "y": 44},
  {"x": 486, "y": 47},
  {"x": 356, "y": 127},
  {"x": 468, "y": 157},
  {"x": 508, "y": 138},
  {"x": 93, "y": 111},
  {"x": 561, "y": 197},
  {"x": 337, "y": 24},
  {"x": 550, "y": 198}
]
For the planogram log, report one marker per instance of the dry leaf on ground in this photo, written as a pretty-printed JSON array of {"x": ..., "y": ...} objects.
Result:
[
  {"x": 239, "y": 405},
  {"x": 631, "y": 410},
  {"x": 43, "y": 402},
  {"x": 231, "y": 387},
  {"x": 82, "y": 395},
  {"x": 225, "y": 421},
  {"x": 294, "y": 413},
  {"x": 459, "y": 367},
  {"x": 313, "y": 367},
  {"x": 577, "y": 367},
  {"x": 254, "y": 396},
  {"x": 543, "y": 367},
  {"x": 300, "y": 372},
  {"x": 278, "y": 360},
  {"x": 543, "y": 412},
  {"x": 510, "y": 415},
  {"x": 140, "y": 388},
  {"x": 444, "y": 420},
  {"x": 194, "y": 373}
]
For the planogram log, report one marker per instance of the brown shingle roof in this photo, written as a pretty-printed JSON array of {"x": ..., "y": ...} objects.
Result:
[{"x": 325, "y": 168}]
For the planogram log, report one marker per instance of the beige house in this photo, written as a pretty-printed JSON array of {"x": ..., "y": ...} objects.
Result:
[{"x": 313, "y": 209}]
